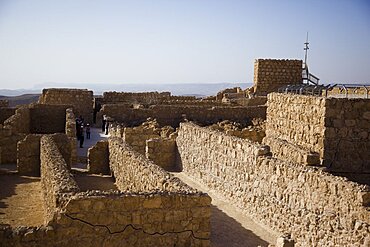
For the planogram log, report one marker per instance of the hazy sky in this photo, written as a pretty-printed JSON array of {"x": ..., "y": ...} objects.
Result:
[{"x": 178, "y": 41}]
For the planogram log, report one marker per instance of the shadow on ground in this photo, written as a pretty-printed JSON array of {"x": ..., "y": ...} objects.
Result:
[{"x": 225, "y": 231}]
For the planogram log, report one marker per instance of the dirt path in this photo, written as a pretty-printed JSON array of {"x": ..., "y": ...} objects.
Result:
[
  {"x": 95, "y": 182},
  {"x": 229, "y": 226},
  {"x": 21, "y": 201},
  {"x": 96, "y": 135}
]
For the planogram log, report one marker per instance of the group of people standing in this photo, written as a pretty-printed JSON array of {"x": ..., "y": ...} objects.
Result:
[{"x": 81, "y": 129}]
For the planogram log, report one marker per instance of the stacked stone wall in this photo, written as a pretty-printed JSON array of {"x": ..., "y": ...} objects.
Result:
[
  {"x": 162, "y": 151},
  {"x": 80, "y": 99},
  {"x": 176, "y": 215},
  {"x": 136, "y": 137},
  {"x": 47, "y": 119},
  {"x": 4, "y": 103},
  {"x": 28, "y": 155},
  {"x": 347, "y": 135},
  {"x": 20, "y": 121},
  {"x": 271, "y": 74},
  {"x": 5, "y": 113},
  {"x": 297, "y": 119},
  {"x": 70, "y": 131},
  {"x": 98, "y": 158},
  {"x": 337, "y": 129},
  {"x": 317, "y": 208},
  {"x": 128, "y": 97},
  {"x": 56, "y": 180},
  {"x": 173, "y": 115}
]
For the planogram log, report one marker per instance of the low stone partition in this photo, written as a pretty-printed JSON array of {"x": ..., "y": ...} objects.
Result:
[
  {"x": 5, "y": 113},
  {"x": 136, "y": 137},
  {"x": 292, "y": 153},
  {"x": 162, "y": 151},
  {"x": 164, "y": 212},
  {"x": 315, "y": 207},
  {"x": 28, "y": 155},
  {"x": 56, "y": 180},
  {"x": 173, "y": 114},
  {"x": 129, "y": 97},
  {"x": 98, "y": 158}
]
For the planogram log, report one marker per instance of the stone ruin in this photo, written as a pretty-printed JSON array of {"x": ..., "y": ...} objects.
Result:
[{"x": 298, "y": 164}]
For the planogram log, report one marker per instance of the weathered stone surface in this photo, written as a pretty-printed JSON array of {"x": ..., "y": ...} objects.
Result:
[
  {"x": 28, "y": 155},
  {"x": 98, "y": 158},
  {"x": 270, "y": 74},
  {"x": 333, "y": 128},
  {"x": 317, "y": 208},
  {"x": 80, "y": 99},
  {"x": 162, "y": 151}
]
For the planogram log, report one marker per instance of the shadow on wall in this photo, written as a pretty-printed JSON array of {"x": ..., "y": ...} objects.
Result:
[{"x": 225, "y": 231}]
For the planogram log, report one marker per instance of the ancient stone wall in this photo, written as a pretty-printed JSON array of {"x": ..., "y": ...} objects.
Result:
[
  {"x": 98, "y": 158},
  {"x": 128, "y": 97},
  {"x": 70, "y": 130},
  {"x": 80, "y": 99},
  {"x": 47, "y": 119},
  {"x": 5, "y": 113},
  {"x": 270, "y": 74},
  {"x": 297, "y": 119},
  {"x": 347, "y": 135},
  {"x": 4, "y": 103},
  {"x": 173, "y": 115},
  {"x": 20, "y": 121},
  {"x": 28, "y": 155},
  {"x": 317, "y": 208},
  {"x": 338, "y": 130},
  {"x": 56, "y": 180},
  {"x": 136, "y": 137},
  {"x": 162, "y": 151}
]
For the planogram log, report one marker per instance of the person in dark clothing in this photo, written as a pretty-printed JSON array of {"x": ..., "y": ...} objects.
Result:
[
  {"x": 78, "y": 128},
  {"x": 82, "y": 137},
  {"x": 87, "y": 131}
]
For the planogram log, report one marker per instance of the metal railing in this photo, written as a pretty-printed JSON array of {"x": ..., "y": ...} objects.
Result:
[{"x": 335, "y": 90}]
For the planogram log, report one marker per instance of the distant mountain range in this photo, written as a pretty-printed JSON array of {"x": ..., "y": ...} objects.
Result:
[{"x": 195, "y": 89}]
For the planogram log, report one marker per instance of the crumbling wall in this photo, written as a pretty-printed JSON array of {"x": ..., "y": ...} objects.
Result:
[
  {"x": 47, "y": 119},
  {"x": 271, "y": 74},
  {"x": 5, "y": 113},
  {"x": 20, "y": 121},
  {"x": 4, "y": 103},
  {"x": 80, "y": 99},
  {"x": 173, "y": 114},
  {"x": 162, "y": 151},
  {"x": 128, "y": 97},
  {"x": 136, "y": 137},
  {"x": 98, "y": 158},
  {"x": 336, "y": 129},
  {"x": 28, "y": 155},
  {"x": 70, "y": 130},
  {"x": 297, "y": 119},
  {"x": 56, "y": 180},
  {"x": 317, "y": 208},
  {"x": 347, "y": 135}
]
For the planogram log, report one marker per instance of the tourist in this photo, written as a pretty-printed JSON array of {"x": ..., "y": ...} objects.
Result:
[
  {"x": 78, "y": 128},
  {"x": 82, "y": 137},
  {"x": 106, "y": 127},
  {"x": 103, "y": 121},
  {"x": 87, "y": 131}
]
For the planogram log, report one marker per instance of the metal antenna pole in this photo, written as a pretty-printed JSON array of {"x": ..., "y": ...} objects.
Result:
[{"x": 306, "y": 51}]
